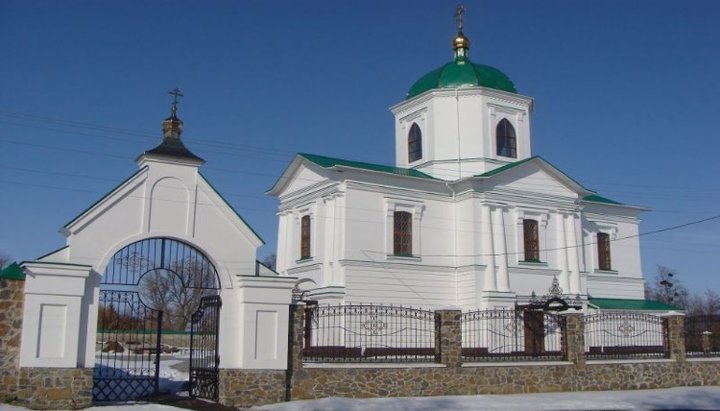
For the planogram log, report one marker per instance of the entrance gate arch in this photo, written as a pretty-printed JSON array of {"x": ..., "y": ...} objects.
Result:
[{"x": 149, "y": 286}]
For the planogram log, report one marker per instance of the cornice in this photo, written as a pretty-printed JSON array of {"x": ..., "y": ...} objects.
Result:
[
  {"x": 315, "y": 191},
  {"x": 397, "y": 265},
  {"x": 492, "y": 94}
]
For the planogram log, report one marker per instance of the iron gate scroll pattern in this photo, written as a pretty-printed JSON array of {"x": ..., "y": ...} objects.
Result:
[
  {"x": 204, "y": 358},
  {"x": 368, "y": 333},
  {"x": 624, "y": 335},
  {"x": 131, "y": 309},
  {"x": 511, "y": 335},
  {"x": 129, "y": 348}
]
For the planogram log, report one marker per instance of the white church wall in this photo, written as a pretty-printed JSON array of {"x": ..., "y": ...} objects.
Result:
[{"x": 401, "y": 284}]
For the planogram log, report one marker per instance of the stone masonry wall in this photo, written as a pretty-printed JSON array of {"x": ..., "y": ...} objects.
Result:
[
  {"x": 11, "y": 311},
  {"x": 245, "y": 388},
  {"x": 55, "y": 388}
]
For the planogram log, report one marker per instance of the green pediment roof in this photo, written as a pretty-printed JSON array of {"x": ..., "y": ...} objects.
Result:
[
  {"x": 600, "y": 199},
  {"x": 462, "y": 73},
  {"x": 13, "y": 272},
  {"x": 629, "y": 304},
  {"x": 328, "y": 162}
]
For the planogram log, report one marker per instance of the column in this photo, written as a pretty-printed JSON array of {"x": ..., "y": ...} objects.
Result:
[
  {"x": 490, "y": 283},
  {"x": 503, "y": 276},
  {"x": 280, "y": 263},
  {"x": 572, "y": 252},
  {"x": 562, "y": 244},
  {"x": 328, "y": 244}
]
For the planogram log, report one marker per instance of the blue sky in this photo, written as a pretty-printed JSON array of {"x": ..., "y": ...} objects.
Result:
[{"x": 626, "y": 100}]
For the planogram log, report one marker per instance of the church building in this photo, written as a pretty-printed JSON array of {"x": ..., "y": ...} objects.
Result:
[{"x": 467, "y": 216}]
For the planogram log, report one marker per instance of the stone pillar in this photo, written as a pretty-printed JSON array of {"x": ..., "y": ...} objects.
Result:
[
  {"x": 11, "y": 311},
  {"x": 674, "y": 327},
  {"x": 295, "y": 337},
  {"x": 573, "y": 338},
  {"x": 448, "y": 337}
]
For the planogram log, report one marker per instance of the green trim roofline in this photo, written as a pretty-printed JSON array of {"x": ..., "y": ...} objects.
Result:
[
  {"x": 630, "y": 304},
  {"x": 595, "y": 198},
  {"x": 13, "y": 272},
  {"x": 105, "y": 196},
  {"x": 329, "y": 162},
  {"x": 231, "y": 207}
]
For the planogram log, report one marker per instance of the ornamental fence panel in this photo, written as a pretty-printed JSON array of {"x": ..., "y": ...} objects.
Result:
[
  {"x": 511, "y": 335},
  {"x": 702, "y": 336},
  {"x": 368, "y": 333},
  {"x": 621, "y": 335}
]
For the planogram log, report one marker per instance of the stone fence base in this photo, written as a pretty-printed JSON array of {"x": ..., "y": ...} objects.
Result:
[
  {"x": 314, "y": 383},
  {"x": 245, "y": 388},
  {"x": 55, "y": 388}
]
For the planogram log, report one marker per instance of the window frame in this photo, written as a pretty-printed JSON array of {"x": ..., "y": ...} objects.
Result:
[
  {"x": 414, "y": 143},
  {"x": 604, "y": 251},
  {"x": 305, "y": 237},
  {"x": 416, "y": 210},
  {"x": 531, "y": 240},
  {"x": 505, "y": 143},
  {"x": 402, "y": 234}
]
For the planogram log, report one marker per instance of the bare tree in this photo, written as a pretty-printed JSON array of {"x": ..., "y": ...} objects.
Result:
[
  {"x": 706, "y": 304},
  {"x": 270, "y": 261},
  {"x": 178, "y": 291},
  {"x": 4, "y": 260},
  {"x": 667, "y": 288}
]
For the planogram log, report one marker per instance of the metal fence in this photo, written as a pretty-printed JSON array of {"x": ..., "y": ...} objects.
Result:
[
  {"x": 620, "y": 335},
  {"x": 368, "y": 333},
  {"x": 510, "y": 335},
  {"x": 702, "y": 336}
]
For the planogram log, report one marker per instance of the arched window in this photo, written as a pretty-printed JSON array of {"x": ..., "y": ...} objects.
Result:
[
  {"x": 506, "y": 140},
  {"x": 603, "y": 243},
  {"x": 414, "y": 143},
  {"x": 402, "y": 233},
  {"x": 532, "y": 240},
  {"x": 305, "y": 237}
]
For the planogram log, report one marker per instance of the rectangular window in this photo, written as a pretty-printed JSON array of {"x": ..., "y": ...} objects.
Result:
[
  {"x": 532, "y": 240},
  {"x": 402, "y": 233},
  {"x": 603, "y": 243},
  {"x": 305, "y": 237}
]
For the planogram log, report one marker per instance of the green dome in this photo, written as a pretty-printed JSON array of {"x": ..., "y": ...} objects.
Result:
[{"x": 462, "y": 72}]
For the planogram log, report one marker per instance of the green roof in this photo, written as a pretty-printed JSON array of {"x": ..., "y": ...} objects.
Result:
[
  {"x": 506, "y": 167},
  {"x": 13, "y": 272},
  {"x": 328, "y": 162},
  {"x": 462, "y": 72},
  {"x": 628, "y": 304},
  {"x": 600, "y": 199}
]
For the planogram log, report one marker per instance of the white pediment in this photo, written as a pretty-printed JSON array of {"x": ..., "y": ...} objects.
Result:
[
  {"x": 299, "y": 176},
  {"x": 539, "y": 177}
]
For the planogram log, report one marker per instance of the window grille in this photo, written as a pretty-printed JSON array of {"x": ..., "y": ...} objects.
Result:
[
  {"x": 305, "y": 237},
  {"x": 603, "y": 243},
  {"x": 532, "y": 241},
  {"x": 402, "y": 233}
]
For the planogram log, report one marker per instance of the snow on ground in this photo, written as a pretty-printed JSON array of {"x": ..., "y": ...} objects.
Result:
[{"x": 685, "y": 398}]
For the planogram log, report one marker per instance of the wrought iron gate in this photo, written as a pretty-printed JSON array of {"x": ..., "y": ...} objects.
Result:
[
  {"x": 129, "y": 348},
  {"x": 204, "y": 358},
  {"x": 136, "y": 295}
]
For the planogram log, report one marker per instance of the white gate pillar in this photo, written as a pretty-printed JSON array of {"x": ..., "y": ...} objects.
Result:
[
  {"x": 254, "y": 323},
  {"x": 54, "y": 321}
]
